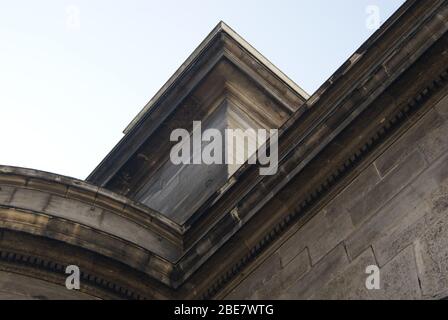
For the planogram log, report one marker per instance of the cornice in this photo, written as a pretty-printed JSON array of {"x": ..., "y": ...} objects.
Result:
[
  {"x": 76, "y": 189},
  {"x": 257, "y": 250},
  {"x": 314, "y": 128},
  {"x": 312, "y": 131},
  {"x": 101, "y": 277},
  {"x": 316, "y": 199}
]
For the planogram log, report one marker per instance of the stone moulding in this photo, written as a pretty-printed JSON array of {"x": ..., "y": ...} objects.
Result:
[
  {"x": 80, "y": 214},
  {"x": 386, "y": 70},
  {"x": 316, "y": 199},
  {"x": 325, "y": 143}
]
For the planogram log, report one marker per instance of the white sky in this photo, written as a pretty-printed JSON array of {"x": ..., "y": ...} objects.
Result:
[{"x": 74, "y": 73}]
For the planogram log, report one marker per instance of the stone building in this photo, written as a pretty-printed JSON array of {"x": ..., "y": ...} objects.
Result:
[{"x": 362, "y": 181}]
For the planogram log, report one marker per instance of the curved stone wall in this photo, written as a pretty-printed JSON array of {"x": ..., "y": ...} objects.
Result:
[{"x": 82, "y": 215}]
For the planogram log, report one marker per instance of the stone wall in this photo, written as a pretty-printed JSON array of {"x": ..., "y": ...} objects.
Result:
[
  {"x": 48, "y": 222},
  {"x": 18, "y": 287},
  {"x": 393, "y": 215}
]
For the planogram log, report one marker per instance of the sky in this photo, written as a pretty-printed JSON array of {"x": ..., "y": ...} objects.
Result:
[{"x": 73, "y": 74}]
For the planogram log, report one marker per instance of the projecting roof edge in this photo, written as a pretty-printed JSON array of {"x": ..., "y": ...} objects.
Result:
[{"x": 221, "y": 27}]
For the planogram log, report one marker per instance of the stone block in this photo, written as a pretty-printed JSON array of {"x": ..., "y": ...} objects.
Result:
[
  {"x": 319, "y": 275},
  {"x": 356, "y": 190},
  {"x": 48, "y": 186},
  {"x": 432, "y": 202},
  {"x": 420, "y": 134},
  {"x": 108, "y": 204},
  {"x": 5, "y": 194},
  {"x": 75, "y": 211},
  {"x": 403, "y": 219},
  {"x": 123, "y": 228},
  {"x": 390, "y": 186},
  {"x": 328, "y": 238},
  {"x": 351, "y": 283},
  {"x": 432, "y": 252},
  {"x": 320, "y": 235},
  {"x": 256, "y": 280},
  {"x": 435, "y": 142},
  {"x": 285, "y": 277},
  {"x": 399, "y": 278},
  {"x": 12, "y": 180},
  {"x": 404, "y": 210},
  {"x": 17, "y": 287},
  {"x": 401, "y": 235},
  {"x": 442, "y": 106},
  {"x": 81, "y": 194},
  {"x": 299, "y": 240},
  {"x": 29, "y": 199}
]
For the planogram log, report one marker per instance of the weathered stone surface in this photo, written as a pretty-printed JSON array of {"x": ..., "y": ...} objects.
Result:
[
  {"x": 350, "y": 284},
  {"x": 321, "y": 234},
  {"x": 391, "y": 185},
  {"x": 320, "y": 274},
  {"x": 442, "y": 106},
  {"x": 5, "y": 194},
  {"x": 175, "y": 190},
  {"x": 401, "y": 235},
  {"x": 434, "y": 207},
  {"x": 107, "y": 202},
  {"x": 332, "y": 225},
  {"x": 12, "y": 179},
  {"x": 435, "y": 142},
  {"x": 50, "y": 186},
  {"x": 356, "y": 190},
  {"x": 285, "y": 277},
  {"x": 116, "y": 225},
  {"x": 399, "y": 280},
  {"x": 256, "y": 280},
  {"x": 432, "y": 253},
  {"x": 14, "y": 286},
  {"x": 422, "y": 134},
  {"x": 346, "y": 123},
  {"x": 402, "y": 220},
  {"x": 298, "y": 241},
  {"x": 329, "y": 237},
  {"x": 81, "y": 194},
  {"x": 74, "y": 211},
  {"x": 294, "y": 270},
  {"x": 30, "y": 199},
  {"x": 403, "y": 211}
]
